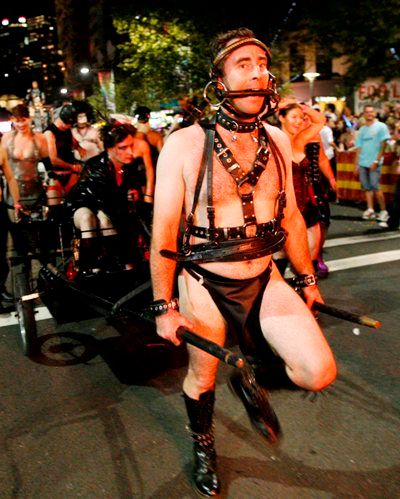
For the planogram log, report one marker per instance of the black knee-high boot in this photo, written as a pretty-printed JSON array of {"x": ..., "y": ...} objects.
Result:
[
  {"x": 200, "y": 413},
  {"x": 88, "y": 254},
  {"x": 112, "y": 259}
]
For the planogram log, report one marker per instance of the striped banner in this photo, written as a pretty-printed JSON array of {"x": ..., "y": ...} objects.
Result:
[{"x": 348, "y": 186}]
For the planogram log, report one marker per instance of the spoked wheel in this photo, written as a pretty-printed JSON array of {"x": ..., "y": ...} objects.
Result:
[{"x": 26, "y": 315}]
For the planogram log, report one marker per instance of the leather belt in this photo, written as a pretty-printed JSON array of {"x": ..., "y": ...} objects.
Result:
[{"x": 245, "y": 231}]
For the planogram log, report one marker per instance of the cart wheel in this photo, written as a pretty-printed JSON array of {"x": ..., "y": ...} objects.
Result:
[{"x": 26, "y": 316}]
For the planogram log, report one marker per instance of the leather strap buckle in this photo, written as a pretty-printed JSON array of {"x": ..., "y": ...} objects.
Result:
[
  {"x": 305, "y": 280},
  {"x": 249, "y": 229}
]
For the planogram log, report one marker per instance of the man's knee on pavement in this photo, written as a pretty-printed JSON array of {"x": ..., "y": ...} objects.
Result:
[{"x": 315, "y": 375}]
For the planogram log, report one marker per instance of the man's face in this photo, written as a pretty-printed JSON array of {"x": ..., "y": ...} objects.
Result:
[
  {"x": 369, "y": 114},
  {"x": 246, "y": 69},
  {"x": 123, "y": 152}
]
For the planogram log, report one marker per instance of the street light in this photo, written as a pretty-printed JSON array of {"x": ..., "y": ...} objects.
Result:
[
  {"x": 82, "y": 82},
  {"x": 311, "y": 76}
]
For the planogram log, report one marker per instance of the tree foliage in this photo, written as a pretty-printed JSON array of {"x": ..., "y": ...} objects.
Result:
[
  {"x": 365, "y": 32},
  {"x": 161, "y": 59},
  {"x": 163, "y": 52}
]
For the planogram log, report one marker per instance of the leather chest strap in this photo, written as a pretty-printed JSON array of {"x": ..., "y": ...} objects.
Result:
[{"x": 245, "y": 182}]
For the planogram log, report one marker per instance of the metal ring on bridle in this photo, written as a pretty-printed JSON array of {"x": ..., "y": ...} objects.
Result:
[
  {"x": 235, "y": 129},
  {"x": 215, "y": 84}
]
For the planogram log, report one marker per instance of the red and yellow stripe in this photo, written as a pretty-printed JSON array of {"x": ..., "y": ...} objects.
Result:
[{"x": 348, "y": 186}]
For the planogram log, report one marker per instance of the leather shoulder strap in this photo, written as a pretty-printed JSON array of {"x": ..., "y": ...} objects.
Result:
[{"x": 205, "y": 160}]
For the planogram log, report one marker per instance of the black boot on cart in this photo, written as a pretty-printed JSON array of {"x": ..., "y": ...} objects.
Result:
[
  {"x": 111, "y": 258},
  {"x": 200, "y": 413},
  {"x": 89, "y": 250}
]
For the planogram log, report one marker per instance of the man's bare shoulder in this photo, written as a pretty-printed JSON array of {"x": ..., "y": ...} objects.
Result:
[
  {"x": 282, "y": 142},
  {"x": 276, "y": 133},
  {"x": 184, "y": 136},
  {"x": 181, "y": 150}
]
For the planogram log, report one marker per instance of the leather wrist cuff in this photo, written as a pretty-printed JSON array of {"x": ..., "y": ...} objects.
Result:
[
  {"x": 161, "y": 307},
  {"x": 305, "y": 280}
]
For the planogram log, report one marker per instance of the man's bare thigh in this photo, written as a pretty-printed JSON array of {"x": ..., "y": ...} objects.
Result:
[
  {"x": 197, "y": 305},
  {"x": 290, "y": 327}
]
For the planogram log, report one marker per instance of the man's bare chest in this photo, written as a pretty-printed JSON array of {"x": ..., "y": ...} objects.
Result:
[{"x": 224, "y": 185}]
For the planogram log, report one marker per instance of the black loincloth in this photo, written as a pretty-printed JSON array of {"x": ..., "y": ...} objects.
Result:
[{"x": 239, "y": 302}]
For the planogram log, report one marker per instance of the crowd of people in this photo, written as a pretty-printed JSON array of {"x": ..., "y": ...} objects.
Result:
[
  {"x": 101, "y": 177},
  {"x": 374, "y": 137},
  {"x": 236, "y": 200}
]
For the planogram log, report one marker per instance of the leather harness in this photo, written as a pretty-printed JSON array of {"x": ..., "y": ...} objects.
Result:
[{"x": 250, "y": 240}]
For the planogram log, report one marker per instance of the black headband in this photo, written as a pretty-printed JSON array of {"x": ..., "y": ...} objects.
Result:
[{"x": 239, "y": 43}]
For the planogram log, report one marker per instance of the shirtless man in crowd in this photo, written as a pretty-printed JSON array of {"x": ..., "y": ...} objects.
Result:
[{"x": 237, "y": 214}]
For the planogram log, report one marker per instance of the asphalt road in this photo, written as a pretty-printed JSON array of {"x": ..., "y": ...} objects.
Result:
[{"x": 99, "y": 416}]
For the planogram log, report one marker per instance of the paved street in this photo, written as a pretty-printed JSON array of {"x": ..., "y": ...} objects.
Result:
[{"x": 98, "y": 416}]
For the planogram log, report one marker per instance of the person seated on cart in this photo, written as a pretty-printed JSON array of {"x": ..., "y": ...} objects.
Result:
[{"x": 108, "y": 205}]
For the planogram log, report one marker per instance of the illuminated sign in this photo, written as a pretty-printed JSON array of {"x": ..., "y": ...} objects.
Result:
[{"x": 376, "y": 92}]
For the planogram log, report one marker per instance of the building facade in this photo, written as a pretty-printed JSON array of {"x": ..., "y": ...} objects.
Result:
[{"x": 29, "y": 52}]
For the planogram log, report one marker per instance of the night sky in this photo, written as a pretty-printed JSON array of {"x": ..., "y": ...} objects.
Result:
[
  {"x": 263, "y": 16},
  {"x": 18, "y": 8}
]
